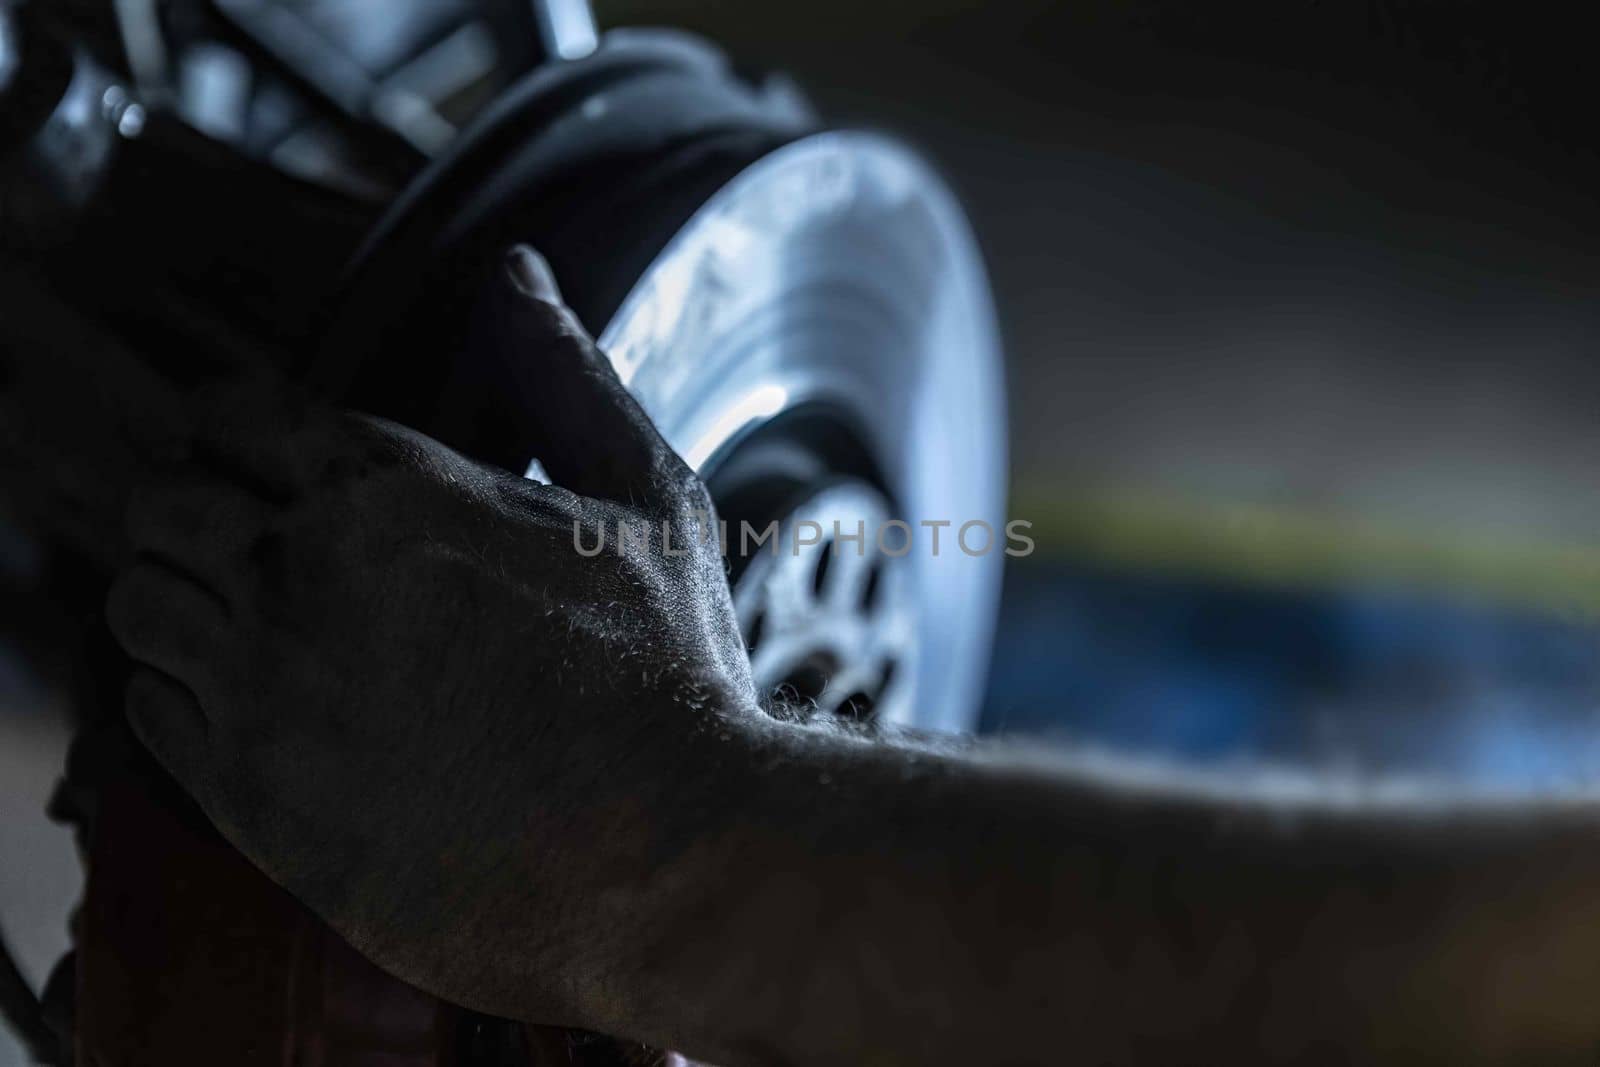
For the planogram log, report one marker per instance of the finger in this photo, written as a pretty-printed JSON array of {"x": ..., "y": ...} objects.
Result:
[
  {"x": 204, "y": 527},
  {"x": 168, "y": 720},
  {"x": 588, "y": 431},
  {"x": 167, "y": 620},
  {"x": 531, "y": 273}
]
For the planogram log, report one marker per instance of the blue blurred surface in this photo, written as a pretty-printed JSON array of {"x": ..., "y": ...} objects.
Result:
[{"x": 1378, "y": 679}]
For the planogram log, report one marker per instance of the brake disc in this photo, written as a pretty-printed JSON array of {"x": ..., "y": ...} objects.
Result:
[{"x": 817, "y": 341}]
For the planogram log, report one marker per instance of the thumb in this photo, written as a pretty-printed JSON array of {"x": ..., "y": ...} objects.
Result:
[{"x": 587, "y": 430}]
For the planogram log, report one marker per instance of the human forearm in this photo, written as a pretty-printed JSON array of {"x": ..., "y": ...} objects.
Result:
[{"x": 869, "y": 904}]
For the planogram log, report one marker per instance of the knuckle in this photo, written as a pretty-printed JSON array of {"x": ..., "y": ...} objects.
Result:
[{"x": 375, "y": 457}]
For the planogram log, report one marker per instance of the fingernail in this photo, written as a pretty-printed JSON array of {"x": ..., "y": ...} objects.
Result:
[{"x": 532, "y": 275}]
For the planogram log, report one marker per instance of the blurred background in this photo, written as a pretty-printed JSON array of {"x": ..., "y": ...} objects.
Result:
[{"x": 1300, "y": 305}]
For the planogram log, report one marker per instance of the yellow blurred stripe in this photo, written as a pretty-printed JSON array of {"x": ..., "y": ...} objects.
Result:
[{"x": 1257, "y": 545}]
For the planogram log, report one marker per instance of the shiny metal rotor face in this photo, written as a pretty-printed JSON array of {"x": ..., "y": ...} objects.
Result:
[{"x": 834, "y": 282}]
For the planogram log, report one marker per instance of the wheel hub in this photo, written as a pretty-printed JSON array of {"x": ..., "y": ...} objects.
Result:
[{"x": 829, "y": 616}]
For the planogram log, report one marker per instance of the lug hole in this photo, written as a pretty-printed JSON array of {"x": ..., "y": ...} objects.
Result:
[
  {"x": 857, "y": 706},
  {"x": 753, "y": 634},
  {"x": 872, "y": 589},
  {"x": 819, "y": 576},
  {"x": 887, "y": 677},
  {"x": 809, "y": 679}
]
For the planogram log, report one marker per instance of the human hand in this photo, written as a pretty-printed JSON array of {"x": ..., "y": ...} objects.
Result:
[{"x": 391, "y": 680}]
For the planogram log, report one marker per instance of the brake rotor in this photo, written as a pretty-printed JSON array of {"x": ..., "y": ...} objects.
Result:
[{"x": 830, "y": 298}]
